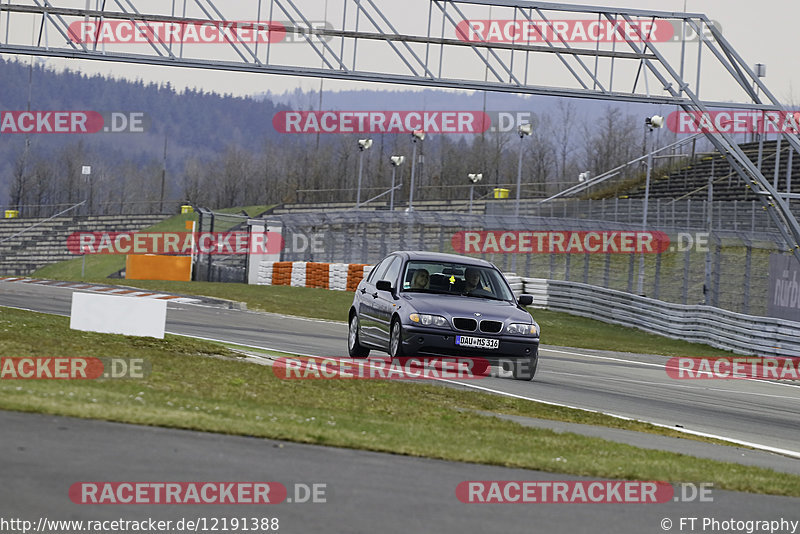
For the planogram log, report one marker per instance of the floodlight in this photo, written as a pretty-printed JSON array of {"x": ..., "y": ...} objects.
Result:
[{"x": 656, "y": 121}]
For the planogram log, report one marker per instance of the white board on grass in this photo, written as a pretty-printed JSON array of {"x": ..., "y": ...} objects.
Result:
[{"x": 110, "y": 314}]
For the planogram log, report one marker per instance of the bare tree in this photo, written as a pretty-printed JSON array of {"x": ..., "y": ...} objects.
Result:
[
  {"x": 615, "y": 141},
  {"x": 19, "y": 180},
  {"x": 540, "y": 158},
  {"x": 192, "y": 179},
  {"x": 563, "y": 130}
]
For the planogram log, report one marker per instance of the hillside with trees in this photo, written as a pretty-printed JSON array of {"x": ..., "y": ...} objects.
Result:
[{"x": 224, "y": 151}]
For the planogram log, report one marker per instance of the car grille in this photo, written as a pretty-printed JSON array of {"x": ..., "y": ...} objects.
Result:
[
  {"x": 491, "y": 327},
  {"x": 462, "y": 323}
]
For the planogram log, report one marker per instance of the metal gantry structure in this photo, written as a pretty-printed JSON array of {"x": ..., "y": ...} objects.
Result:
[{"x": 517, "y": 46}]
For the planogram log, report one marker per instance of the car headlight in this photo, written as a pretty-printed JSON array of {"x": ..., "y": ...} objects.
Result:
[
  {"x": 523, "y": 329},
  {"x": 428, "y": 320}
]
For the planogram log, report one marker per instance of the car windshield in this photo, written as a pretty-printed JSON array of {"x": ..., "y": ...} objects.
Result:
[{"x": 455, "y": 279}]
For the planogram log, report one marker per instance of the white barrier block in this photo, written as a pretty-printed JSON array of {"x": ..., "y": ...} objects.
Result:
[
  {"x": 298, "y": 274},
  {"x": 338, "y": 276},
  {"x": 109, "y": 314},
  {"x": 267, "y": 230},
  {"x": 265, "y": 270}
]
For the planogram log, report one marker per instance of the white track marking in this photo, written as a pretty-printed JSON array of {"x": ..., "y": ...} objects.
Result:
[
  {"x": 659, "y": 365},
  {"x": 784, "y": 452},
  {"x": 687, "y": 384}
]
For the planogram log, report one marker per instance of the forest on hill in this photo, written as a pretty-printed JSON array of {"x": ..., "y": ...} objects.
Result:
[{"x": 222, "y": 150}]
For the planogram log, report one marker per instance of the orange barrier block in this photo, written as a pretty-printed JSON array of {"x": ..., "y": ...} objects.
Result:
[
  {"x": 282, "y": 273},
  {"x": 152, "y": 267},
  {"x": 355, "y": 273},
  {"x": 317, "y": 275}
]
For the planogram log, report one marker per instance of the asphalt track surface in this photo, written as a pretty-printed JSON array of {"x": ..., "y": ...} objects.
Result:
[
  {"x": 370, "y": 492},
  {"x": 365, "y": 492}
]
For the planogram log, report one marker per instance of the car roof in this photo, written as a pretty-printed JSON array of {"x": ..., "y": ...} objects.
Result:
[{"x": 419, "y": 255}]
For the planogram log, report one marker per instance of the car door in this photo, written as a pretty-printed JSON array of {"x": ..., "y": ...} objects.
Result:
[
  {"x": 367, "y": 308},
  {"x": 385, "y": 303}
]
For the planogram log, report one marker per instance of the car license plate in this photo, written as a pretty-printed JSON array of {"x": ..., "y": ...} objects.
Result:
[{"x": 477, "y": 342}]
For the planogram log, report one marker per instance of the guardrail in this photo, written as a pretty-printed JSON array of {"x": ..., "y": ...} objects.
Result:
[{"x": 742, "y": 334}]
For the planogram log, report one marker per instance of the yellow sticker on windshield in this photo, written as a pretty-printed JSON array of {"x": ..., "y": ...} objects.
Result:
[{"x": 452, "y": 280}]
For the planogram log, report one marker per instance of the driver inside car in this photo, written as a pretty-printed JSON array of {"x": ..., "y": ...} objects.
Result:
[{"x": 472, "y": 279}]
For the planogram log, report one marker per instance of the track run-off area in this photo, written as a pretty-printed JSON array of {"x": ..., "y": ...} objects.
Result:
[{"x": 764, "y": 415}]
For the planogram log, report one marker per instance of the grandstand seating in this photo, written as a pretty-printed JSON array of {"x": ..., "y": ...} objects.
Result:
[
  {"x": 47, "y": 242},
  {"x": 691, "y": 181}
]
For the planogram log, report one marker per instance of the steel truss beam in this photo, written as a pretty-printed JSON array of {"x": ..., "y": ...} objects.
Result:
[{"x": 627, "y": 57}]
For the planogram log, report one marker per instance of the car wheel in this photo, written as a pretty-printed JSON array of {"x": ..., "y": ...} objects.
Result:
[
  {"x": 396, "y": 340},
  {"x": 525, "y": 368},
  {"x": 353, "y": 345}
]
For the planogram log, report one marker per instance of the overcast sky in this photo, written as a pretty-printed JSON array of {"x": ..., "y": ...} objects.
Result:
[{"x": 763, "y": 32}]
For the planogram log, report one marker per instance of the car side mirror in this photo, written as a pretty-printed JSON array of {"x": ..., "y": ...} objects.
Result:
[
  {"x": 525, "y": 300},
  {"x": 384, "y": 285}
]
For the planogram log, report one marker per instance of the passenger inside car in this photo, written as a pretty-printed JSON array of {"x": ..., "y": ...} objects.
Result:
[{"x": 420, "y": 280}]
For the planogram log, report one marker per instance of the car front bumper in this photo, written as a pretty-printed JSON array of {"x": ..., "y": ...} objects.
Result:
[{"x": 429, "y": 342}]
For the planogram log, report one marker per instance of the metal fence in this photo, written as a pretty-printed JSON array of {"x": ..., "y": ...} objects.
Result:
[
  {"x": 215, "y": 267},
  {"x": 122, "y": 207},
  {"x": 688, "y": 214},
  {"x": 727, "y": 267}
]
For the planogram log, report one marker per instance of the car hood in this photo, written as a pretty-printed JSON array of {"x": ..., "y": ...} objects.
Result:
[{"x": 460, "y": 306}]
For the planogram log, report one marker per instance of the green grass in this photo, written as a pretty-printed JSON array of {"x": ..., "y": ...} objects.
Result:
[
  {"x": 251, "y": 211},
  {"x": 405, "y": 418},
  {"x": 176, "y": 223},
  {"x": 96, "y": 267}
]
